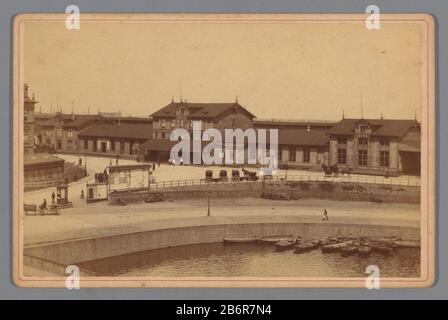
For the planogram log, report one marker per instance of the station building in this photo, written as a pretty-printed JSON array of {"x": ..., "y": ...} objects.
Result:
[
  {"x": 301, "y": 144},
  {"x": 112, "y": 136},
  {"x": 376, "y": 146},
  {"x": 368, "y": 146},
  {"x": 60, "y": 131},
  {"x": 181, "y": 114}
]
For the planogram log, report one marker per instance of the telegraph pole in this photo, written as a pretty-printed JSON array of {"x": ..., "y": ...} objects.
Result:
[{"x": 208, "y": 203}]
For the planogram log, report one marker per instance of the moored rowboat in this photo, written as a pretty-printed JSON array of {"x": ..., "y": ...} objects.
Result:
[
  {"x": 273, "y": 240},
  {"x": 305, "y": 246},
  {"x": 364, "y": 251},
  {"x": 349, "y": 250},
  {"x": 335, "y": 247},
  {"x": 381, "y": 248},
  {"x": 284, "y": 245},
  {"x": 407, "y": 244},
  {"x": 240, "y": 240}
]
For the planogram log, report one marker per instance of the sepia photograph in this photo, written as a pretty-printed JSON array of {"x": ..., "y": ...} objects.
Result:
[{"x": 223, "y": 150}]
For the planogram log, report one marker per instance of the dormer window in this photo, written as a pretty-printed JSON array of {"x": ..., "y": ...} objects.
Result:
[
  {"x": 384, "y": 142},
  {"x": 362, "y": 141},
  {"x": 342, "y": 140}
]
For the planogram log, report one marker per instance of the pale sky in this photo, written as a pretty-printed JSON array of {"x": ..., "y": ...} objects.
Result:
[{"x": 277, "y": 70}]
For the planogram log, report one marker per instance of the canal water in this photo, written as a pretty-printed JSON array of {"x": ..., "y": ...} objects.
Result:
[{"x": 219, "y": 260}]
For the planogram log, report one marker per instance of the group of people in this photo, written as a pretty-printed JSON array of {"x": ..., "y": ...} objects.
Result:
[
  {"x": 44, "y": 206},
  {"x": 101, "y": 177}
]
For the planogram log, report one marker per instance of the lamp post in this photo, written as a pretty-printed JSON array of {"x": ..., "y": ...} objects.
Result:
[
  {"x": 208, "y": 203},
  {"x": 85, "y": 162}
]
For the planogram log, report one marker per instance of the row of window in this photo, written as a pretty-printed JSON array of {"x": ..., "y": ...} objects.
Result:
[
  {"x": 180, "y": 123},
  {"x": 102, "y": 147},
  {"x": 59, "y": 133},
  {"x": 43, "y": 174},
  {"x": 362, "y": 157},
  {"x": 292, "y": 156},
  {"x": 159, "y": 135},
  {"x": 363, "y": 141}
]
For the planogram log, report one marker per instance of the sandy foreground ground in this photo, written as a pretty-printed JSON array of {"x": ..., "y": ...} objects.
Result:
[{"x": 101, "y": 219}]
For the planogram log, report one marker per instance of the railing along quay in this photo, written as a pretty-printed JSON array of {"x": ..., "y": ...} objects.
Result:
[{"x": 394, "y": 181}]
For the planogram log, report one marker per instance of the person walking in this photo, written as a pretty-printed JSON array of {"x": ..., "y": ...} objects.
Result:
[
  {"x": 43, "y": 206},
  {"x": 325, "y": 216},
  {"x": 53, "y": 196}
]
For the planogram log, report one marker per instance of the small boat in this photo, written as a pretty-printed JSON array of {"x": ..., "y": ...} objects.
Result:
[
  {"x": 284, "y": 245},
  {"x": 273, "y": 240},
  {"x": 335, "y": 247},
  {"x": 382, "y": 248},
  {"x": 407, "y": 244},
  {"x": 240, "y": 240},
  {"x": 305, "y": 246},
  {"x": 364, "y": 251},
  {"x": 329, "y": 241},
  {"x": 349, "y": 250}
]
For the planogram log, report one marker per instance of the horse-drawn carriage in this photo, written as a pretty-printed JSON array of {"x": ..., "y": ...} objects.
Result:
[
  {"x": 235, "y": 175},
  {"x": 250, "y": 175},
  {"x": 209, "y": 175},
  {"x": 223, "y": 175},
  {"x": 335, "y": 171}
]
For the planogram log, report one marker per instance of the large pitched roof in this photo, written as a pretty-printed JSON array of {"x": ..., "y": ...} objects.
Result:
[
  {"x": 380, "y": 127},
  {"x": 80, "y": 120},
  {"x": 158, "y": 144},
  {"x": 124, "y": 130},
  {"x": 199, "y": 110},
  {"x": 69, "y": 120},
  {"x": 35, "y": 158},
  {"x": 301, "y": 136},
  {"x": 410, "y": 143},
  {"x": 292, "y": 123}
]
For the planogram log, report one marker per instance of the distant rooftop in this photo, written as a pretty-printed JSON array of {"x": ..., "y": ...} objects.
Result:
[
  {"x": 199, "y": 110},
  {"x": 380, "y": 127},
  {"x": 34, "y": 158},
  {"x": 123, "y": 130},
  {"x": 289, "y": 122}
]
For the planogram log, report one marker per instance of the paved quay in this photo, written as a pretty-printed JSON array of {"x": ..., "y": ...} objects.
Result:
[{"x": 102, "y": 219}]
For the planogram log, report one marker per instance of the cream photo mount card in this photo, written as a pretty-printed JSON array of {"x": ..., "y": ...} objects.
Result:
[{"x": 223, "y": 150}]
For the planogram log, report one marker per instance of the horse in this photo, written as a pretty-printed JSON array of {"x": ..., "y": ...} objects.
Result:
[
  {"x": 331, "y": 170},
  {"x": 327, "y": 170},
  {"x": 335, "y": 170}
]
